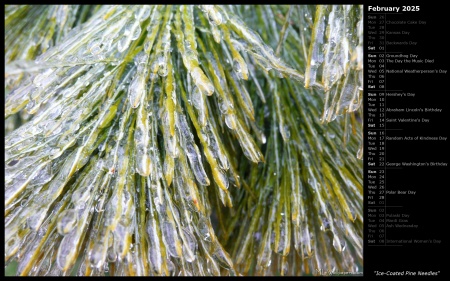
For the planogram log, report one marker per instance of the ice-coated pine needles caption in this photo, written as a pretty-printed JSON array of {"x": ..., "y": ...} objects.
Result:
[{"x": 183, "y": 140}]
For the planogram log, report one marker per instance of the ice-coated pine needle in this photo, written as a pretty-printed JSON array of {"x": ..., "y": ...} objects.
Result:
[{"x": 166, "y": 140}]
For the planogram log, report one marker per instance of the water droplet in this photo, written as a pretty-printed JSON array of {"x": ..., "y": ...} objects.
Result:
[
  {"x": 43, "y": 79},
  {"x": 196, "y": 98},
  {"x": 216, "y": 34},
  {"x": 94, "y": 47},
  {"x": 237, "y": 68},
  {"x": 171, "y": 237},
  {"x": 31, "y": 104},
  {"x": 111, "y": 255},
  {"x": 170, "y": 266},
  {"x": 230, "y": 120},
  {"x": 34, "y": 221},
  {"x": 12, "y": 245},
  {"x": 163, "y": 70},
  {"x": 287, "y": 132},
  {"x": 140, "y": 58},
  {"x": 122, "y": 45},
  {"x": 136, "y": 33},
  {"x": 23, "y": 203},
  {"x": 147, "y": 46},
  {"x": 190, "y": 245},
  {"x": 263, "y": 138},
  {"x": 136, "y": 90},
  {"x": 44, "y": 175},
  {"x": 96, "y": 255},
  {"x": 145, "y": 15},
  {"x": 325, "y": 225},
  {"x": 215, "y": 17},
  {"x": 360, "y": 152},
  {"x": 339, "y": 246},
  {"x": 204, "y": 230}
]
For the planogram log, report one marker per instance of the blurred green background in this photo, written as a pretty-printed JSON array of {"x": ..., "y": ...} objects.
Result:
[{"x": 10, "y": 270}]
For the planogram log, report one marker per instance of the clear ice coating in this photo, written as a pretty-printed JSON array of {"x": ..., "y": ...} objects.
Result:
[
  {"x": 137, "y": 89},
  {"x": 192, "y": 151},
  {"x": 173, "y": 140},
  {"x": 67, "y": 221},
  {"x": 315, "y": 52}
]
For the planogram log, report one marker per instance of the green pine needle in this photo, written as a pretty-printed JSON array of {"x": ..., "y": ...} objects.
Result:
[{"x": 174, "y": 140}]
